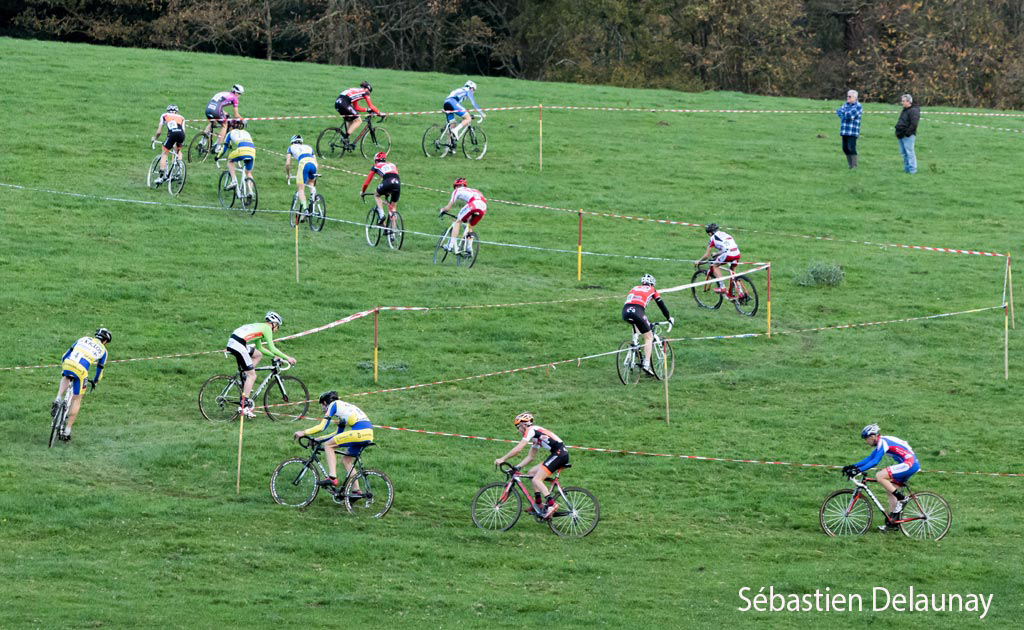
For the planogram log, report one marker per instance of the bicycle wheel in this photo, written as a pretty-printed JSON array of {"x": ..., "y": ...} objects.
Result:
[
  {"x": 287, "y": 399},
  {"x": 662, "y": 355},
  {"x": 219, "y": 398},
  {"x": 440, "y": 253},
  {"x": 294, "y": 211},
  {"x": 494, "y": 510},
  {"x": 474, "y": 143},
  {"x": 374, "y": 141},
  {"x": 199, "y": 148},
  {"x": 317, "y": 214},
  {"x": 474, "y": 251},
  {"x": 293, "y": 483},
  {"x": 178, "y": 175},
  {"x": 627, "y": 363},
  {"x": 369, "y": 494},
  {"x": 373, "y": 229},
  {"x": 153, "y": 173},
  {"x": 704, "y": 295},
  {"x": 931, "y": 514},
  {"x": 395, "y": 234},
  {"x": 577, "y": 513},
  {"x": 58, "y": 421},
  {"x": 746, "y": 305},
  {"x": 227, "y": 196},
  {"x": 251, "y": 198},
  {"x": 841, "y": 515},
  {"x": 435, "y": 141},
  {"x": 330, "y": 143}
]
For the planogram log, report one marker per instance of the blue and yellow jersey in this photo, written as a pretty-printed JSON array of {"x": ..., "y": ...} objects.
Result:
[
  {"x": 242, "y": 141},
  {"x": 343, "y": 416},
  {"x": 82, "y": 355}
]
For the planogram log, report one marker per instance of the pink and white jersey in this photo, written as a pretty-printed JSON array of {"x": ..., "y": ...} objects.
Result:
[
  {"x": 220, "y": 99},
  {"x": 469, "y": 196},
  {"x": 724, "y": 243}
]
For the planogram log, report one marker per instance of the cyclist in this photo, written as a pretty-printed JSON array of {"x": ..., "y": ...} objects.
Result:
[
  {"x": 215, "y": 111},
  {"x": 453, "y": 106},
  {"x": 244, "y": 152},
  {"x": 538, "y": 437},
  {"x": 248, "y": 356},
  {"x": 347, "y": 105},
  {"x": 634, "y": 312},
  {"x": 306, "y": 168},
  {"x": 354, "y": 432},
  {"x": 470, "y": 214},
  {"x": 75, "y": 364},
  {"x": 726, "y": 252},
  {"x": 905, "y": 467},
  {"x": 175, "y": 136},
  {"x": 389, "y": 188}
]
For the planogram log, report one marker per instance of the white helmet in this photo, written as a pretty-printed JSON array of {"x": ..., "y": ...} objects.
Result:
[
  {"x": 648, "y": 279},
  {"x": 273, "y": 318},
  {"x": 871, "y": 429},
  {"x": 470, "y": 85},
  {"x": 237, "y": 89}
]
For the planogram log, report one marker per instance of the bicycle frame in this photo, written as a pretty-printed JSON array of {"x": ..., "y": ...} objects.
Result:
[
  {"x": 733, "y": 285},
  {"x": 515, "y": 480},
  {"x": 862, "y": 489},
  {"x": 275, "y": 367}
]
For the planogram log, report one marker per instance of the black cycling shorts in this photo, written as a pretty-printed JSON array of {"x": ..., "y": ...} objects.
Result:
[
  {"x": 344, "y": 107},
  {"x": 242, "y": 353},
  {"x": 556, "y": 461},
  {"x": 636, "y": 315},
  {"x": 216, "y": 115},
  {"x": 175, "y": 138},
  {"x": 390, "y": 189}
]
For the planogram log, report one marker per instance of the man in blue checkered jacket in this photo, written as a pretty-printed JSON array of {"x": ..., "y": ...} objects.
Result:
[{"x": 849, "y": 126}]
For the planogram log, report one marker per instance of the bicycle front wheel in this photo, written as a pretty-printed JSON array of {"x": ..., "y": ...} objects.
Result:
[
  {"x": 373, "y": 227},
  {"x": 220, "y": 398},
  {"x": 177, "y": 177},
  {"x": 495, "y": 509},
  {"x": 474, "y": 143},
  {"x": 199, "y": 149},
  {"x": 294, "y": 211},
  {"x": 746, "y": 300},
  {"x": 663, "y": 357},
  {"x": 294, "y": 483},
  {"x": 704, "y": 295},
  {"x": 330, "y": 143},
  {"x": 226, "y": 195},
  {"x": 435, "y": 141},
  {"x": 627, "y": 363},
  {"x": 369, "y": 494},
  {"x": 251, "y": 198},
  {"x": 374, "y": 141},
  {"x": 843, "y": 515},
  {"x": 317, "y": 214},
  {"x": 286, "y": 399},
  {"x": 931, "y": 516},
  {"x": 153, "y": 173},
  {"x": 58, "y": 421},
  {"x": 440, "y": 253},
  {"x": 395, "y": 234},
  {"x": 468, "y": 252},
  {"x": 577, "y": 513}
]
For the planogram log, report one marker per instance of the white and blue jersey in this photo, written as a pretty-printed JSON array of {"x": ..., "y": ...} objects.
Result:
[
  {"x": 303, "y": 154},
  {"x": 901, "y": 452},
  {"x": 453, "y": 104}
]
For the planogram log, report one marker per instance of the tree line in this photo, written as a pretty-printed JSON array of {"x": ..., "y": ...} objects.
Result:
[{"x": 957, "y": 52}]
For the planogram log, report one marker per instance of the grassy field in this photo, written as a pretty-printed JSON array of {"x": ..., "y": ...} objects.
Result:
[{"x": 137, "y": 523}]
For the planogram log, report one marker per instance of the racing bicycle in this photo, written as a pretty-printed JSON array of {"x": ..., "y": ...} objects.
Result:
[
  {"x": 220, "y": 397},
  {"x": 846, "y": 512},
  {"x": 439, "y": 142},
  {"x": 316, "y": 210},
  {"x": 59, "y": 420},
  {"x": 465, "y": 252},
  {"x": 741, "y": 291},
  {"x": 363, "y": 492},
  {"x": 371, "y": 140},
  {"x": 629, "y": 359},
  {"x": 244, "y": 194},
  {"x": 391, "y": 228},
  {"x": 497, "y": 506},
  {"x": 175, "y": 174}
]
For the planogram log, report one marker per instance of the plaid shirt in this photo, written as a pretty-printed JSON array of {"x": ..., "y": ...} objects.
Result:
[{"x": 849, "y": 117}]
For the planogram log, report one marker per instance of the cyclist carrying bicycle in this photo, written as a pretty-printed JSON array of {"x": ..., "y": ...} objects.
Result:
[
  {"x": 538, "y": 437},
  {"x": 390, "y": 186},
  {"x": 248, "y": 356},
  {"x": 215, "y": 111},
  {"x": 905, "y": 466},
  {"x": 306, "y": 165},
  {"x": 348, "y": 107},
  {"x": 634, "y": 312},
  {"x": 175, "y": 136},
  {"x": 453, "y": 107},
  {"x": 244, "y": 151},
  {"x": 726, "y": 252},
  {"x": 474, "y": 209},
  {"x": 75, "y": 364},
  {"x": 353, "y": 431}
]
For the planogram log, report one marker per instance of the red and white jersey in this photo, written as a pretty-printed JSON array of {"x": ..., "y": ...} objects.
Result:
[
  {"x": 174, "y": 122},
  {"x": 385, "y": 169},
  {"x": 469, "y": 196},
  {"x": 724, "y": 243},
  {"x": 356, "y": 94},
  {"x": 641, "y": 295},
  {"x": 542, "y": 438}
]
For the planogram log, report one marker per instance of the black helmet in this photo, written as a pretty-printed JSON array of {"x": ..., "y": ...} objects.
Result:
[
  {"x": 327, "y": 398},
  {"x": 711, "y": 228},
  {"x": 366, "y": 86},
  {"x": 103, "y": 335}
]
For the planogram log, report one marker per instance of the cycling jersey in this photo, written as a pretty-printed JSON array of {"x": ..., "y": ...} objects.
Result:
[
  {"x": 257, "y": 333},
  {"x": 386, "y": 170},
  {"x": 303, "y": 154},
  {"x": 245, "y": 150},
  {"x": 220, "y": 99},
  {"x": 174, "y": 122},
  {"x": 82, "y": 355},
  {"x": 634, "y": 310},
  {"x": 344, "y": 416},
  {"x": 453, "y": 103},
  {"x": 476, "y": 205},
  {"x": 543, "y": 438},
  {"x": 724, "y": 244},
  {"x": 894, "y": 447},
  {"x": 356, "y": 94},
  {"x": 641, "y": 295}
]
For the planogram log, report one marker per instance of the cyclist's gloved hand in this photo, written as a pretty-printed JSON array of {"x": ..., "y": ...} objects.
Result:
[
  {"x": 851, "y": 470},
  {"x": 92, "y": 383},
  {"x": 441, "y": 213},
  {"x": 672, "y": 321}
]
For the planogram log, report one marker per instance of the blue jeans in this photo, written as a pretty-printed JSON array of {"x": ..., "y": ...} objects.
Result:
[{"x": 907, "y": 151}]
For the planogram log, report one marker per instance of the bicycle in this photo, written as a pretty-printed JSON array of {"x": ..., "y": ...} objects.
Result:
[
  {"x": 391, "y": 227},
  {"x": 465, "y": 252},
  {"x": 630, "y": 357},
  {"x": 244, "y": 193},
  {"x": 201, "y": 145},
  {"x": 438, "y": 141},
  {"x": 371, "y": 140},
  {"x": 926, "y": 516},
  {"x": 59, "y": 420},
  {"x": 364, "y": 492},
  {"x": 741, "y": 291},
  {"x": 497, "y": 506},
  {"x": 176, "y": 171},
  {"x": 316, "y": 211},
  {"x": 220, "y": 397}
]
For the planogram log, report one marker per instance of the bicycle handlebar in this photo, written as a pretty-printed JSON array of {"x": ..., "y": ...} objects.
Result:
[
  {"x": 153, "y": 143},
  {"x": 307, "y": 442},
  {"x": 280, "y": 364},
  {"x": 508, "y": 468},
  {"x": 658, "y": 324}
]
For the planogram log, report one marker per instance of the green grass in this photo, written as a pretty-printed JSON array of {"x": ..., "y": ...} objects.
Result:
[{"x": 137, "y": 523}]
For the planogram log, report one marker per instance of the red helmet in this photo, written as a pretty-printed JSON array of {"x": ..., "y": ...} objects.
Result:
[
  {"x": 380, "y": 157},
  {"x": 459, "y": 181}
]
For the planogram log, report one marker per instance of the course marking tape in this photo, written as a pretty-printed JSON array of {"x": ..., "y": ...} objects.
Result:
[{"x": 952, "y": 122}]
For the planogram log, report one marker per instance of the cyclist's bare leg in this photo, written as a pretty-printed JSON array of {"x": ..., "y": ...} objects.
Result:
[
  {"x": 537, "y": 474},
  {"x": 346, "y": 461},
  {"x": 223, "y": 132},
  {"x": 648, "y": 345},
  {"x": 455, "y": 234},
  {"x": 163, "y": 160},
  {"x": 300, "y": 187},
  {"x": 890, "y": 489},
  {"x": 380, "y": 205},
  {"x": 76, "y": 403},
  {"x": 462, "y": 125},
  {"x": 353, "y": 125},
  {"x": 231, "y": 169},
  {"x": 65, "y": 382}
]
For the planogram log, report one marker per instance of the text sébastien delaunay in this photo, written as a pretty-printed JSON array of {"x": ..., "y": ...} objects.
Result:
[{"x": 881, "y": 599}]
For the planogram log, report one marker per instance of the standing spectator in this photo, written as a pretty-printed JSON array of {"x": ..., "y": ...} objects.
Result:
[
  {"x": 906, "y": 130},
  {"x": 849, "y": 126}
]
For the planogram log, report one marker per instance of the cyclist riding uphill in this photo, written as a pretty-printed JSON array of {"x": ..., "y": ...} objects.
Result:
[
  {"x": 215, "y": 111},
  {"x": 244, "y": 152},
  {"x": 905, "y": 467},
  {"x": 175, "y": 136},
  {"x": 474, "y": 209},
  {"x": 538, "y": 437},
  {"x": 353, "y": 431},
  {"x": 307, "y": 166},
  {"x": 634, "y": 312},
  {"x": 390, "y": 186},
  {"x": 453, "y": 107},
  {"x": 75, "y": 364},
  {"x": 347, "y": 105},
  {"x": 248, "y": 355},
  {"x": 726, "y": 251}
]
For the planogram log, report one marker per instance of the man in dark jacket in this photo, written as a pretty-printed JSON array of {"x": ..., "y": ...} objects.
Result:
[{"x": 906, "y": 131}]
